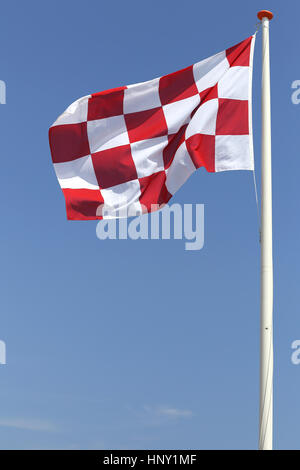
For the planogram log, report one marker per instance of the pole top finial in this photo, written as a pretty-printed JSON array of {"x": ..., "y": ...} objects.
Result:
[{"x": 265, "y": 14}]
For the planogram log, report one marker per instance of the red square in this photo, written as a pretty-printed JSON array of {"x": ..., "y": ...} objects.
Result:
[
  {"x": 174, "y": 141},
  {"x": 106, "y": 104},
  {"x": 201, "y": 148},
  {"x": 240, "y": 54},
  {"x": 146, "y": 124},
  {"x": 209, "y": 94},
  {"x": 114, "y": 166},
  {"x": 68, "y": 142},
  {"x": 154, "y": 191},
  {"x": 83, "y": 204},
  {"x": 177, "y": 86},
  {"x": 232, "y": 118}
]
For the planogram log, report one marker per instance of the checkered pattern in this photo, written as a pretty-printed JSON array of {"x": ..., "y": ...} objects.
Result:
[{"x": 130, "y": 148}]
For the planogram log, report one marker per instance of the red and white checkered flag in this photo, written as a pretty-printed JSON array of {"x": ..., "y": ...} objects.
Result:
[{"x": 131, "y": 148}]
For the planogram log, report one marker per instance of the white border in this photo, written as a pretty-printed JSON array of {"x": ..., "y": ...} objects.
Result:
[{"x": 251, "y": 148}]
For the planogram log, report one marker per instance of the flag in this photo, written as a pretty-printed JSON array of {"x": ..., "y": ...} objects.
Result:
[{"x": 129, "y": 149}]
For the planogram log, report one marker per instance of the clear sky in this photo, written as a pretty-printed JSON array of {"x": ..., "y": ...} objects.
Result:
[{"x": 140, "y": 344}]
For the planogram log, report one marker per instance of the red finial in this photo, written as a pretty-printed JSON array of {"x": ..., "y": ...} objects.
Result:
[{"x": 265, "y": 14}]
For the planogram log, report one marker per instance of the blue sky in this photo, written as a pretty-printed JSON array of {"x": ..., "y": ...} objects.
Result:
[{"x": 140, "y": 344}]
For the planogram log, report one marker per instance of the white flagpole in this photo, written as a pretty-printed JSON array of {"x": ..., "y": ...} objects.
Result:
[{"x": 266, "y": 327}]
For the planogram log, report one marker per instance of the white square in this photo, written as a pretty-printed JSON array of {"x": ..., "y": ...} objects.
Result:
[
  {"x": 180, "y": 169},
  {"x": 142, "y": 96},
  {"x": 107, "y": 133},
  {"x": 122, "y": 200},
  {"x": 75, "y": 113},
  {"x": 235, "y": 84},
  {"x": 148, "y": 155},
  {"x": 77, "y": 174},
  {"x": 233, "y": 152},
  {"x": 179, "y": 113},
  {"x": 209, "y": 71},
  {"x": 204, "y": 120}
]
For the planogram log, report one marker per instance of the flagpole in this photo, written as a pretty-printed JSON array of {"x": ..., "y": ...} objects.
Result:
[{"x": 266, "y": 315}]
